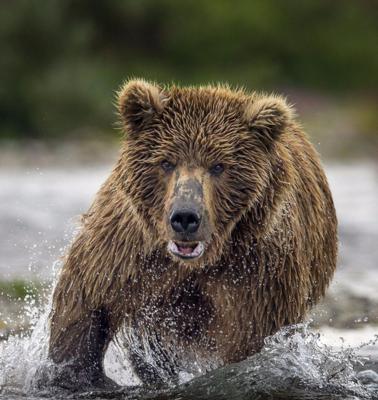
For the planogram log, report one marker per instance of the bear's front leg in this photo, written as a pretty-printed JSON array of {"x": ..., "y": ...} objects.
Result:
[
  {"x": 79, "y": 337},
  {"x": 153, "y": 363}
]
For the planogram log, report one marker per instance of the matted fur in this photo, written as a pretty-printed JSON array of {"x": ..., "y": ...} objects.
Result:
[{"x": 272, "y": 247}]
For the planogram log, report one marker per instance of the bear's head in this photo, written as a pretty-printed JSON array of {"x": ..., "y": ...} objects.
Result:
[{"x": 197, "y": 160}]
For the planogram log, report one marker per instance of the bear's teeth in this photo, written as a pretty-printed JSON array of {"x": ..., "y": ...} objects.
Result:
[
  {"x": 172, "y": 246},
  {"x": 187, "y": 251},
  {"x": 198, "y": 250}
]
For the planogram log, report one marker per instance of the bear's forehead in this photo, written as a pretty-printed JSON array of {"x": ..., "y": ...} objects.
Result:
[
  {"x": 194, "y": 110},
  {"x": 205, "y": 99},
  {"x": 200, "y": 126}
]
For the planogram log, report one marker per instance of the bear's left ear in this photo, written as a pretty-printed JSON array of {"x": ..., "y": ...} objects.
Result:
[
  {"x": 268, "y": 116},
  {"x": 138, "y": 102}
]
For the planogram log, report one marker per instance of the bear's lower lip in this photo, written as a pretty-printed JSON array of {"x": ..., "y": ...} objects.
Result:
[{"x": 186, "y": 250}]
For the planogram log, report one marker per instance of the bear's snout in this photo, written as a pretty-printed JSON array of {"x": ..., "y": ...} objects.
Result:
[{"x": 185, "y": 221}]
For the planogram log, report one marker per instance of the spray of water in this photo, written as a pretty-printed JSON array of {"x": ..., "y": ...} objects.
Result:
[
  {"x": 23, "y": 357},
  {"x": 294, "y": 363}
]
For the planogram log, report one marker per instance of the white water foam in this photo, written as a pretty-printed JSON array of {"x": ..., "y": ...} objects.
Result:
[
  {"x": 22, "y": 356},
  {"x": 295, "y": 354}
]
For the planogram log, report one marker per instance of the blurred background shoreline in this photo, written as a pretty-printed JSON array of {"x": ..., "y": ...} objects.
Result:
[{"x": 63, "y": 61}]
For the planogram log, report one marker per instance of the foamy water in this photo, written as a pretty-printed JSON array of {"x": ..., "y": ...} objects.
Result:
[{"x": 294, "y": 363}]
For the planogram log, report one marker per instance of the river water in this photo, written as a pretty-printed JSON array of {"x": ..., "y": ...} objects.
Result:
[{"x": 38, "y": 215}]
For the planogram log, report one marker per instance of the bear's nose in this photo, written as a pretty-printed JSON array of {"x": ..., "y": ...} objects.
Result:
[{"x": 185, "y": 221}]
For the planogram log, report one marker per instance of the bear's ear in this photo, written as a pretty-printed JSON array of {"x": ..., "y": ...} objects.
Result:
[
  {"x": 268, "y": 116},
  {"x": 138, "y": 102}
]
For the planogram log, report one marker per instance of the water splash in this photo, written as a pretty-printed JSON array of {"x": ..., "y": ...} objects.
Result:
[
  {"x": 293, "y": 364},
  {"x": 21, "y": 356}
]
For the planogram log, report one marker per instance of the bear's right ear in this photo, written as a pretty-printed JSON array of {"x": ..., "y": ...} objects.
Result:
[
  {"x": 138, "y": 102},
  {"x": 267, "y": 116}
]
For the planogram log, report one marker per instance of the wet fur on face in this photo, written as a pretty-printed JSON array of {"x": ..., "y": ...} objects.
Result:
[{"x": 195, "y": 129}]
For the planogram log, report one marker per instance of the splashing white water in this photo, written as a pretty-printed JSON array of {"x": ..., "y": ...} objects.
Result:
[
  {"x": 293, "y": 359},
  {"x": 23, "y": 356}
]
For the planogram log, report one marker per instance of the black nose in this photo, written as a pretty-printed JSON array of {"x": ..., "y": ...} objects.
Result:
[{"x": 185, "y": 221}]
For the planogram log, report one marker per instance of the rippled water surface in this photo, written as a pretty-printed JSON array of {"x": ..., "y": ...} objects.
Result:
[{"x": 37, "y": 218}]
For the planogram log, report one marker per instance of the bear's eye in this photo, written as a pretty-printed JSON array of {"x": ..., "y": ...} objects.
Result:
[
  {"x": 167, "y": 166},
  {"x": 216, "y": 169}
]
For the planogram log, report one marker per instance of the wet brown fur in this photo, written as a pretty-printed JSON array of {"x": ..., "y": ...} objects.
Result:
[{"x": 271, "y": 238}]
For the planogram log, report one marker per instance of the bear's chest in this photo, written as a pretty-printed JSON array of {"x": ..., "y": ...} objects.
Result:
[
  {"x": 195, "y": 319},
  {"x": 191, "y": 309}
]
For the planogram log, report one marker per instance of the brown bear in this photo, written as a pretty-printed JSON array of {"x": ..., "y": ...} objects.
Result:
[{"x": 215, "y": 229}]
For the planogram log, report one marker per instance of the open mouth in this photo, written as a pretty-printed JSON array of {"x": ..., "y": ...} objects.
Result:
[{"x": 186, "y": 250}]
